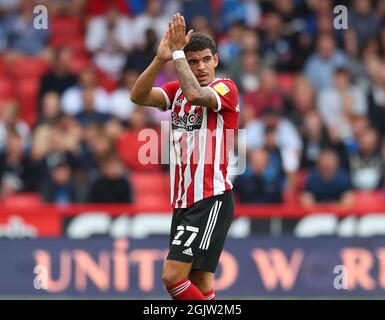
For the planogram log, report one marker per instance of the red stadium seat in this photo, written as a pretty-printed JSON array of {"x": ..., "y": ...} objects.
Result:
[
  {"x": 151, "y": 187},
  {"x": 6, "y": 89},
  {"x": 27, "y": 92},
  {"x": 3, "y": 68},
  {"x": 64, "y": 26},
  {"x": 369, "y": 197},
  {"x": 27, "y": 87},
  {"x": 76, "y": 43},
  {"x": 31, "y": 67},
  {"x": 23, "y": 200},
  {"x": 79, "y": 62},
  {"x": 128, "y": 147}
]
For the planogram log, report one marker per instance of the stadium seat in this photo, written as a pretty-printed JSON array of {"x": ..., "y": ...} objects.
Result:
[
  {"x": 30, "y": 67},
  {"x": 3, "y": 68},
  {"x": 27, "y": 88},
  {"x": 369, "y": 197},
  {"x": 79, "y": 62},
  {"x": 76, "y": 43},
  {"x": 150, "y": 187},
  {"x": 6, "y": 89},
  {"x": 64, "y": 26},
  {"x": 23, "y": 200}
]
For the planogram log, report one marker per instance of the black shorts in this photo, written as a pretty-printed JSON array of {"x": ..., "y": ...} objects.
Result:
[{"x": 198, "y": 233}]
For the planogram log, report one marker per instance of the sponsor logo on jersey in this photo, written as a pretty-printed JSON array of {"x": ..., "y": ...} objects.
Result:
[{"x": 189, "y": 122}]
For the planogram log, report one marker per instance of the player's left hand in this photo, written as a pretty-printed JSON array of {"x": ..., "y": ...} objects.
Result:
[{"x": 178, "y": 38}]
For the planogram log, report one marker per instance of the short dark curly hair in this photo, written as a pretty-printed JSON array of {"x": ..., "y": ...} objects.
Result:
[{"x": 200, "y": 41}]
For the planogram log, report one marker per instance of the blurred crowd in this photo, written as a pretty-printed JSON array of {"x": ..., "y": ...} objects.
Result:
[{"x": 312, "y": 97}]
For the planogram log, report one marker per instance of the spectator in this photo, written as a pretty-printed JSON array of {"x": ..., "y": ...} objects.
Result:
[
  {"x": 192, "y": 9},
  {"x": 143, "y": 54},
  {"x": 96, "y": 146},
  {"x": 72, "y": 99},
  {"x": 57, "y": 149},
  {"x": 59, "y": 78},
  {"x": 23, "y": 38},
  {"x": 60, "y": 189},
  {"x": 15, "y": 166},
  {"x": 121, "y": 104},
  {"x": 109, "y": 39},
  {"x": 11, "y": 122},
  {"x": 327, "y": 182},
  {"x": 112, "y": 186},
  {"x": 316, "y": 138},
  {"x": 300, "y": 100},
  {"x": 382, "y": 40},
  {"x": 367, "y": 166},
  {"x": 61, "y": 135},
  {"x": 246, "y": 49},
  {"x": 247, "y": 74},
  {"x": 88, "y": 113},
  {"x": 352, "y": 50},
  {"x": 229, "y": 46},
  {"x": 376, "y": 93},
  {"x": 153, "y": 18},
  {"x": 276, "y": 48},
  {"x": 364, "y": 21},
  {"x": 261, "y": 184},
  {"x": 50, "y": 108},
  {"x": 320, "y": 66},
  {"x": 339, "y": 103},
  {"x": 201, "y": 24},
  {"x": 247, "y": 11},
  {"x": 3, "y": 37},
  {"x": 140, "y": 144},
  {"x": 266, "y": 96},
  {"x": 287, "y": 137}
]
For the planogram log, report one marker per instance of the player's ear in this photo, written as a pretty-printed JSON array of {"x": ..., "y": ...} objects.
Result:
[{"x": 216, "y": 59}]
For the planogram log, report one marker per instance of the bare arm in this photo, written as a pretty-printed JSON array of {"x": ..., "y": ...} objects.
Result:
[
  {"x": 307, "y": 199},
  {"x": 144, "y": 93},
  {"x": 194, "y": 93},
  {"x": 347, "y": 199}
]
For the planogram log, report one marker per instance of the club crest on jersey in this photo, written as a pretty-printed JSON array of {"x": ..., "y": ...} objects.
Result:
[
  {"x": 188, "y": 122},
  {"x": 179, "y": 102}
]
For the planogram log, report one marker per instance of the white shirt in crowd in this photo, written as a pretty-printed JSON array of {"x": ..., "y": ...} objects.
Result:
[
  {"x": 121, "y": 104},
  {"x": 288, "y": 141},
  {"x": 72, "y": 100},
  {"x": 111, "y": 58}
]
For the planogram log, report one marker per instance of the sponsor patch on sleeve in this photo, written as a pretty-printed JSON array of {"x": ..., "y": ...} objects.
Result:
[{"x": 221, "y": 88}]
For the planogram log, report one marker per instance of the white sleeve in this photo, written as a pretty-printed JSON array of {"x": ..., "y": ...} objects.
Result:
[
  {"x": 168, "y": 102},
  {"x": 219, "y": 102}
]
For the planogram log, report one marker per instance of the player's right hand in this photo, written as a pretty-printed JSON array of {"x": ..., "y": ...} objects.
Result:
[{"x": 164, "y": 52}]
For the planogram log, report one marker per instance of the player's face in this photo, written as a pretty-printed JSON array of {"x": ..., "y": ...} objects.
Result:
[{"x": 203, "y": 64}]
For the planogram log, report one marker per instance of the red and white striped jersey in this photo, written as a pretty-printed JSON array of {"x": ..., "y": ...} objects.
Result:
[{"x": 200, "y": 142}]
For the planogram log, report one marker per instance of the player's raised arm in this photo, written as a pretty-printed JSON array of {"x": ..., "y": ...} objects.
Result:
[
  {"x": 143, "y": 92},
  {"x": 191, "y": 87}
]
